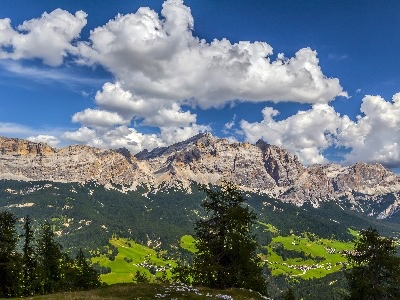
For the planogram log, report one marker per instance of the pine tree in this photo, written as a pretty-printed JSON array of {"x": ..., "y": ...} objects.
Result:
[
  {"x": 49, "y": 260},
  {"x": 68, "y": 273},
  {"x": 86, "y": 276},
  {"x": 10, "y": 267},
  {"x": 28, "y": 259},
  {"x": 375, "y": 272},
  {"x": 226, "y": 254}
]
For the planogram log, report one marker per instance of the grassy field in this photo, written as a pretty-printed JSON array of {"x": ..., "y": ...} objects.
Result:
[
  {"x": 133, "y": 257},
  {"x": 306, "y": 256},
  {"x": 187, "y": 243},
  {"x": 131, "y": 291}
]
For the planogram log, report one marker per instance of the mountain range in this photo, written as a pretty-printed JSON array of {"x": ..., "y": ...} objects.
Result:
[{"x": 260, "y": 168}]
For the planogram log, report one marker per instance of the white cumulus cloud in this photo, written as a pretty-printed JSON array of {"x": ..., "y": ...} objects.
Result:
[
  {"x": 307, "y": 133},
  {"x": 171, "y": 135},
  {"x": 101, "y": 118},
  {"x": 83, "y": 135},
  {"x": 158, "y": 57},
  {"x": 116, "y": 137},
  {"x": 171, "y": 117},
  {"x": 107, "y": 125},
  {"x": 159, "y": 66},
  {"x": 47, "y": 38},
  {"x": 375, "y": 136}
]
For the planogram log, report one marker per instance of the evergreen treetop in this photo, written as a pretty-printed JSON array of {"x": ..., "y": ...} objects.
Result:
[
  {"x": 375, "y": 272},
  {"x": 226, "y": 254}
]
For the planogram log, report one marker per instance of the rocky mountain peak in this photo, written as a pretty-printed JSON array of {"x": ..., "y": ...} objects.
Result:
[
  {"x": 365, "y": 177},
  {"x": 127, "y": 154},
  {"x": 284, "y": 168},
  {"x": 201, "y": 139}
]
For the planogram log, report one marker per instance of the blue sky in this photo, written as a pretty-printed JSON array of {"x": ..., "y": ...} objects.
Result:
[{"x": 319, "y": 78}]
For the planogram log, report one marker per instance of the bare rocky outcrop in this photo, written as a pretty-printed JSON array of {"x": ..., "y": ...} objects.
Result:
[
  {"x": 203, "y": 159},
  {"x": 206, "y": 159},
  {"x": 18, "y": 147},
  {"x": 284, "y": 168},
  {"x": 26, "y": 160}
]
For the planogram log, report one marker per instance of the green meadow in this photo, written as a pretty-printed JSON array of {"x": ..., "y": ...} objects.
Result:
[
  {"x": 306, "y": 256},
  {"x": 187, "y": 242},
  {"x": 133, "y": 257}
]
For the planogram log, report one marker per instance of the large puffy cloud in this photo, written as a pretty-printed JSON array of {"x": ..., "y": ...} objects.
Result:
[
  {"x": 114, "y": 98},
  {"x": 48, "y": 38},
  {"x": 155, "y": 112},
  {"x": 83, "y": 135},
  {"x": 102, "y": 126},
  {"x": 159, "y": 58},
  {"x": 171, "y": 117},
  {"x": 307, "y": 133},
  {"x": 171, "y": 135},
  {"x": 373, "y": 137}
]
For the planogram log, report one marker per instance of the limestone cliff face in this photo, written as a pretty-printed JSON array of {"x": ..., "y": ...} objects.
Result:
[
  {"x": 24, "y": 160},
  {"x": 280, "y": 165},
  {"x": 23, "y": 147},
  {"x": 203, "y": 159},
  {"x": 362, "y": 177}
]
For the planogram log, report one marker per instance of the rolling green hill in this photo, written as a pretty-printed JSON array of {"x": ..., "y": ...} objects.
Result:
[
  {"x": 132, "y": 257},
  {"x": 306, "y": 257}
]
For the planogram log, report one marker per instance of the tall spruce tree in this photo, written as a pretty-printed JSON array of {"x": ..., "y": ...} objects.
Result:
[
  {"x": 68, "y": 272},
  {"x": 49, "y": 260},
  {"x": 226, "y": 254},
  {"x": 10, "y": 267},
  {"x": 28, "y": 259},
  {"x": 86, "y": 276},
  {"x": 375, "y": 272}
]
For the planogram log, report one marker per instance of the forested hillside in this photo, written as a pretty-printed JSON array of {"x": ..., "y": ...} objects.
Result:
[
  {"x": 88, "y": 215},
  {"x": 80, "y": 212}
]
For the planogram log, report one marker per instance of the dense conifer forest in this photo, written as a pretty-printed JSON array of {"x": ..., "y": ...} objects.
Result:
[{"x": 41, "y": 267}]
